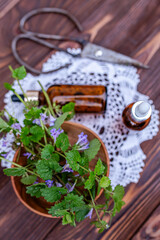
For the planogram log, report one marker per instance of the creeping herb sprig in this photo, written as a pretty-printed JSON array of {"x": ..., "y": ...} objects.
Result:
[{"x": 56, "y": 170}]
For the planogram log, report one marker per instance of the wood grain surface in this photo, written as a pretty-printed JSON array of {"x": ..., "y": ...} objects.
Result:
[{"x": 130, "y": 27}]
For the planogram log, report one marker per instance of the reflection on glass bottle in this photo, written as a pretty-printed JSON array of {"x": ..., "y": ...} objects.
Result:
[
  {"x": 87, "y": 98},
  {"x": 136, "y": 116}
]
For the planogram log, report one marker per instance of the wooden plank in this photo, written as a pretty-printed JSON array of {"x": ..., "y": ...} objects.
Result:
[
  {"x": 6, "y": 6},
  {"x": 17, "y": 222},
  {"x": 137, "y": 29},
  {"x": 151, "y": 229}
]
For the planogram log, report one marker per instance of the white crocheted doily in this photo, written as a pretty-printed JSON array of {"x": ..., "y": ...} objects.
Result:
[{"x": 123, "y": 145}]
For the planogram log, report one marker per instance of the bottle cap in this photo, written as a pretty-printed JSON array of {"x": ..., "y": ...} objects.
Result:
[
  {"x": 32, "y": 95},
  {"x": 141, "y": 111}
]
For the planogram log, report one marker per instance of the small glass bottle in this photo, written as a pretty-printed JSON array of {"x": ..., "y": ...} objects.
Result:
[
  {"x": 136, "y": 116},
  {"x": 87, "y": 98}
]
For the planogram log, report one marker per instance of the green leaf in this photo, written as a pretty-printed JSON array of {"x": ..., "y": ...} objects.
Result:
[
  {"x": 104, "y": 182},
  {"x": 101, "y": 230},
  {"x": 81, "y": 213},
  {"x": 30, "y": 179},
  {"x": 24, "y": 136},
  {"x": 90, "y": 182},
  {"x": 69, "y": 107},
  {"x": 37, "y": 133},
  {"x": 53, "y": 163},
  {"x": 47, "y": 152},
  {"x": 117, "y": 197},
  {"x": 58, "y": 210},
  {"x": 73, "y": 157},
  {"x": 98, "y": 189},
  {"x": 14, "y": 171},
  {"x": 18, "y": 73},
  {"x": 9, "y": 87},
  {"x": 107, "y": 192},
  {"x": 3, "y": 124},
  {"x": 72, "y": 201},
  {"x": 59, "y": 121},
  {"x": 93, "y": 191},
  {"x": 33, "y": 113},
  {"x": 84, "y": 163},
  {"x": 69, "y": 218},
  {"x": 27, "y": 122},
  {"x": 35, "y": 190},
  {"x": 100, "y": 224},
  {"x": 117, "y": 206},
  {"x": 55, "y": 166},
  {"x": 118, "y": 192},
  {"x": 93, "y": 149},
  {"x": 53, "y": 194},
  {"x": 45, "y": 167},
  {"x": 44, "y": 170},
  {"x": 62, "y": 142},
  {"x": 99, "y": 168}
]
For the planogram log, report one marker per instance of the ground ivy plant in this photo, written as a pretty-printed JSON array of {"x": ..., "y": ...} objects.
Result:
[{"x": 56, "y": 170}]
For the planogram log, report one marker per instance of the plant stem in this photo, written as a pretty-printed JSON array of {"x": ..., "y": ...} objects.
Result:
[
  {"x": 41, "y": 144},
  {"x": 48, "y": 131},
  {"x": 17, "y": 165},
  {"x": 47, "y": 99},
  {"x": 45, "y": 138},
  {"x": 20, "y": 98},
  {"x": 21, "y": 88},
  {"x": 29, "y": 150},
  {"x": 94, "y": 205},
  {"x": 60, "y": 154},
  {"x": 29, "y": 165},
  {"x": 8, "y": 113},
  {"x": 61, "y": 181},
  {"x": 84, "y": 168}
]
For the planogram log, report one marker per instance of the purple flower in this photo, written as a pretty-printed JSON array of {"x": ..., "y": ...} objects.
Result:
[
  {"x": 43, "y": 117},
  {"x": 69, "y": 187},
  {"x": 77, "y": 175},
  {"x": 27, "y": 154},
  {"x": 4, "y": 155},
  {"x": 37, "y": 121},
  {"x": 66, "y": 168},
  {"x": 36, "y": 182},
  {"x": 49, "y": 183},
  {"x": 55, "y": 133},
  {"x": 89, "y": 214},
  {"x": 51, "y": 120},
  {"x": 16, "y": 126},
  {"x": 82, "y": 142},
  {"x": 58, "y": 184}
]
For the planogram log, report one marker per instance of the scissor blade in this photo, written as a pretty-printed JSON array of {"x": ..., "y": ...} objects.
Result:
[{"x": 99, "y": 53}]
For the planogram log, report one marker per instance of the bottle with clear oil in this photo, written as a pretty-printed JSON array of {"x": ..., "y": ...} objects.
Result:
[{"x": 137, "y": 115}]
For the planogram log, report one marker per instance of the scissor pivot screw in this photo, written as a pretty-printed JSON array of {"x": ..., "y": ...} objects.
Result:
[{"x": 98, "y": 53}]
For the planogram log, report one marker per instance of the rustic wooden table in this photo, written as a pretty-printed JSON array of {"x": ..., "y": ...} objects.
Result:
[{"x": 130, "y": 27}]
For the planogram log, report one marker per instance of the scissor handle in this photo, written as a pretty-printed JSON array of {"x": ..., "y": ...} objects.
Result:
[
  {"x": 42, "y": 42},
  {"x": 50, "y": 36}
]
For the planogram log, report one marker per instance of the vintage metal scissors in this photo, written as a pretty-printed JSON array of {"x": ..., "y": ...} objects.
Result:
[{"x": 89, "y": 50}]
